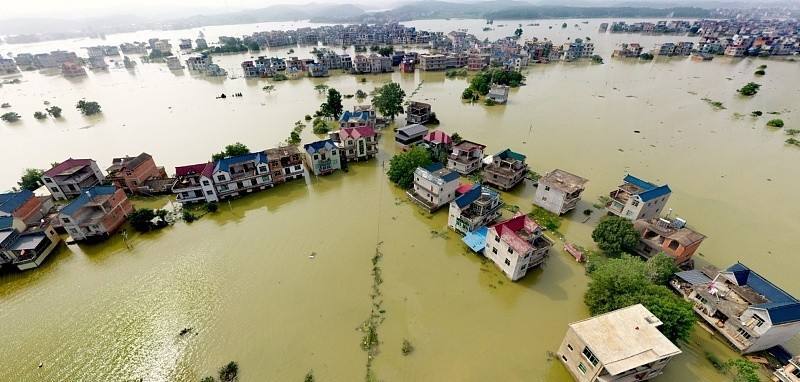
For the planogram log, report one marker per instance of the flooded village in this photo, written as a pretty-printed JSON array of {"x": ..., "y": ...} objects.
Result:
[{"x": 386, "y": 191}]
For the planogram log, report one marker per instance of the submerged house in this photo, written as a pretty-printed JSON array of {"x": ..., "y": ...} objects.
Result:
[
  {"x": 194, "y": 184},
  {"x": 358, "y": 118},
  {"x": 25, "y": 247},
  {"x": 507, "y": 169},
  {"x": 357, "y": 143},
  {"x": 476, "y": 206},
  {"x": 638, "y": 199},
  {"x": 467, "y": 156},
  {"x": 670, "y": 236},
  {"x": 559, "y": 191},
  {"x": 410, "y": 134},
  {"x": 137, "y": 174},
  {"x": 323, "y": 157},
  {"x": 285, "y": 164},
  {"x": 438, "y": 144},
  {"x": 517, "y": 245},
  {"x": 498, "y": 94},
  {"x": 434, "y": 186},
  {"x": 25, "y": 206},
  {"x": 623, "y": 345},
  {"x": 66, "y": 179},
  {"x": 96, "y": 214},
  {"x": 235, "y": 176},
  {"x": 418, "y": 113},
  {"x": 744, "y": 307}
]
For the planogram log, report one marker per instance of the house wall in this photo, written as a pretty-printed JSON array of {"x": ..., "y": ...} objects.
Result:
[
  {"x": 572, "y": 358},
  {"x": 146, "y": 170},
  {"x": 551, "y": 200},
  {"x": 453, "y": 214},
  {"x": 645, "y": 210},
  {"x": 30, "y": 212},
  {"x": 768, "y": 335},
  {"x": 682, "y": 254},
  {"x": 121, "y": 208},
  {"x": 210, "y": 192},
  {"x": 497, "y": 250}
]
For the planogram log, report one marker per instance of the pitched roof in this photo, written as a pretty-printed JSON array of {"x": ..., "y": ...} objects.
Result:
[
  {"x": 508, "y": 154},
  {"x": 128, "y": 162},
  {"x": 87, "y": 196},
  {"x": 437, "y": 137},
  {"x": 468, "y": 197},
  {"x": 643, "y": 184},
  {"x": 649, "y": 191},
  {"x": 468, "y": 145},
  {"x": 508, "y": 230},
  {"x": 225, "y": 164},
  {"x": 356, "y": 132},
  {"x": 782, "y": 307},
  {"x": 194, "y": 169},
  {"x": 476, "y": 240},
  {"x": 412, "y": 130},
  {"x": 6, "y": 222},
  {"x": 319, "y": 145},
  {"x": 362, "y": 116},
  {"x": 68, "y": 164},
  {"x": 11, "y": 201}
]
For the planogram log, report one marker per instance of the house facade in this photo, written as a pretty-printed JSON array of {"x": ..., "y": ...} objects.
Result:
[
  {"x": 624, "y": 345},
  {"x": 132, "y": 174},
  {"x": 498, "y": 94},
  {"x": 66, "y": 179},
  {"x": 323, "y": 157},
  {"x": 789, "y": 372},
  {"x": 418, "y": 113},
  {"x": 434, "y": 186},
  {"x": 241, "y": 174},
  {"x": 667, "y": 235},
  {"x": 195, "y": 184},
  {"x": 23, "y": 205},
  {"x": 357, "y": 143},
  {"x": 559, "y": 191},
  {"x": 749, "y": 311},
  {"x": 476, "y": 207},
  {"x": 285, "y": 164},
  {"x": 638, "y": 199},
  {"x": 508, "y": 169},
  {"x": 26, "y": 247},
  {"x": 96, "y": 214},
  {"x": 516, "y": 246},
  {"x": 466, "y": 157}
]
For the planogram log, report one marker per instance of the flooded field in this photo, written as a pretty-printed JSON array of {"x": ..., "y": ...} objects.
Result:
[{"x": 244, "y": 277}]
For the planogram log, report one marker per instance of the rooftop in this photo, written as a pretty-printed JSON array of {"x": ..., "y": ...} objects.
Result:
[
  {"x": 10, "y": 202},
  {"x": 412, "y": 130},
  {"x": 437, "y": 137},
  {"x": 356, "y": 132},
  {"x": 518, "y": 232},
  {"x": 68, "y": 167},
  {"x": 625, "y": 338},
  {"x": 87, "y": 198},
  {"x": 118, "y": 164},
  {"x": 468, "y": 146},
  {"x": 564, "y": 181},
  {"x": 437, "y": 170},
  {"x": 225, "y": 164},
  {"x": 647, "y": 191},
  {"x": 205, "y": 169},
  {"x": 665, "y": 228},
  {"x": 313, "y": 147}
]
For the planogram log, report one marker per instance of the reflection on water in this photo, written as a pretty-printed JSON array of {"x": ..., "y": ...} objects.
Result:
[{"x": 243, "y": 277}]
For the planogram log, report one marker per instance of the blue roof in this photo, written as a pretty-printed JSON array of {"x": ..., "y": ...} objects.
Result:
[
  {"x": 225, "y": 164},
  {"x": 650, "y": 190},
  {"x": 450, "y": 176},
  {"x": 9, "y": 202},
  {"x": 476, "y": 240},
  {"x": 643, "y": 184},
  {"x": 468, "y": 197},
  {"x": 87, "y": 196},
  {"x": 782, "y": 307},
  {"x": 318, "y": 145},
  {"x": 355, "y": 115},
  {"x": 434, "y": 166},
  {"x": 6, "y": 222}
]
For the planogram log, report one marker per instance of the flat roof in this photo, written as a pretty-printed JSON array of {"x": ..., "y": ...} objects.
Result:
[
  {"x": 564, "y": 181},
  {"x": 625, "y": 338}
]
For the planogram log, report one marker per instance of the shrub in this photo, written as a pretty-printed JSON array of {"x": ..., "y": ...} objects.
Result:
[
  {"x": 750, "y": 89},
  {"x": 188, "y": 216},
  {"x": 10, "y": 117},
  {"x": 88, "y": 107},
  {"x": 775, "y": 123},
  {"x": 760, "y": 72},
  {"x": 39, "y": 115},
  {"x": 54, "y": 111},
  {"x": 212, "y": 207},
  {"x": 229, "y": 372},
  {"x": 757, "y": 113},
  {"x": 407, "y": 348},
  {"x": 545, "y": 218}
]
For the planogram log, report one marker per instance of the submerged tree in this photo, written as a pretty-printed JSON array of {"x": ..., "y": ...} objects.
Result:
[
  {"x": 231, "y": 150},
  {"x": 615, "y": 235},
  {"x": 10, "y": 117},
  {"x": 332, "y": 107},
  {"x": 39, "y": 115},
  {"x": 229, "y": 372},
  {"x": 402, "y": 166},
  {"x": 31, "y": 179},
  {"x": 388, "y": 99},
  {"x": 54, "y": 111},
  {"x": 750, "y": 89},
  {"x": 88, "y": 107}
]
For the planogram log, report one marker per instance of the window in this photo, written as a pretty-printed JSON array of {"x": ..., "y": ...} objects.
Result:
[
  {"x": 796, "y": 373},
  {"x": 590, "y": 356},
  {"x": 209, "y": 192},
  {"x": 206, "y": 183},
  {"x": 333, "y": 152},
  {"x": 220, "y": 177},
  {"x": 497, "y": 238},
  {"x": 508, "y": 262},
  {"x": 494, "y": 250},
  {"x": 564, "y": 358},
  {"x": 544, "y": 198},
  {"x": 66, "y": 220},
  {"x": 759, "y": 320},
  {"x": 743, "y": 333},
  {"x": 581, "y": 367},
  {"x": 570, "y": 347},
  {"x": 511, "y": 250},
  {"x": 48, "y": 180},
  {"x": 547, "y": 188},
  {"x": 316, "y": 156}
]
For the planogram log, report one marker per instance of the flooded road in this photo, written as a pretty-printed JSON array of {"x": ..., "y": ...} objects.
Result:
[{"x": 244, "y": 278}]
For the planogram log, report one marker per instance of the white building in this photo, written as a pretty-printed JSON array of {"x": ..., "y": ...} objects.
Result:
[
  {"x": 788, "y": 373},
  {"x": 477, "y": 206},
  {"x": 638, "y": 199},
  {"x": 559, "y": 191},
  {"x": 194, "y": 184},
  {"x": 517, "y": 245},
  {"x": 624, "y": 345},
  {"x": 434, "y": 186}
]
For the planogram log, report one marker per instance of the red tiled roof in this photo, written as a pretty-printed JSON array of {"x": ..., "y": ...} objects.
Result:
[
  {"x": 205, "y": 169},
  {"x": 357, "y": 132},
  {"x": 508, "y": 229},
  {"x": 463, "y": 188},
  {"x": 436, "y": 136},
  {"x": 66, "y": 165}
]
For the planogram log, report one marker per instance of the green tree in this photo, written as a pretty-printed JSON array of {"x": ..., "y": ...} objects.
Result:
[
  {"x": 31, "y": 179},
  {"x": 660, "y": 268},
  {"x": 360, "y": 94},
  {"x": 10, "y": 117},
  {"x": 469, "y": 95},
  {"x": 775, "y": 123},
  {"x": 388, "y": 99},
  {"x": 208, "y": 379},
  {"x": 332, "y": 107},
  {"x": 212, "y": 207},
  {"x": 309, "y": 376},
  {"x": 229, "y": 372},
  {"x": 321, "y": 88},
  {"x": 142, "y": 219},
  {"x": 456, "y": 138},
  {"x": 750, "y": 89},
  {"x": 402, "y": 166},
  {"x": 294, "y": 138},
  {"x": 756, "y": 113},
  {"x": 646, "y": 56},
  {"x": 615, "y": 236},
  {"x": 743, "y": 370},
  {"x": 231, "y": 150},
  {"x": 39, "y": 115},
  {"x": 597, "y": 59},
  {"x": 760, "y": 72},
  {"x": 88, "y": 107},
  {"x": 54, "y": 111},
  {"x": 518, "y": 32},
  {"x": 386, "y": 51}
]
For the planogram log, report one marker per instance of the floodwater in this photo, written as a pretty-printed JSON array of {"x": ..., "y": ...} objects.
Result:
[{"x": 245, "y": 278}]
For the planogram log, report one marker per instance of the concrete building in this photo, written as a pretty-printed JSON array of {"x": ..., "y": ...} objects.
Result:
[
  {"x": 199, "y": 63},
  {"x": 241, "y": 174},
  {"x": 466, "y": 157},
  {"x": 559, "y": 191},
  {"x": 323, "y": 157},
  {"x": 638, "y": 199},
  {"x": 749, "y": 311},
  {"x": 475, "y": 207},
  {"x": 431, "y": 62},
  {"x": 25, "y": 206},
  {"x": 516, "y": 246},
  {"x": 789, "y": 372},
  {"x": 498, "y": 94},
  {"x": 26, "y": 247},
  {"x": 195, "y": 184},
  {"x": 285, "y": 164},
  {"x": 136, "y": 174},
  {"x": 66, "y": 179},
  {"x": 667, "y": 235},
  {"x": 624, "y": 345},
  {"x": 8, "y": 66},
  {"x": 71, "y": 69},
  {"x": 507, "y": 169},
  {"x": 173, "y": 63},
  {"x": 410, "y": 134},
  {"x": 96, "y": 214},
  {"x": 357, "y": 143},
  {"x": 434, "y": 186},
  {"x": 418, "y": 112}
]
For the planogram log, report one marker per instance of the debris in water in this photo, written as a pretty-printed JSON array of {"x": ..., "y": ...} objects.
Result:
[
  {"x": 637, "y": 131},
  {"x": 41, "y": 364},
  {"x": 185, "y": 331},
  {"x": 313, "y": 255},
  {"x": 621, "y": 150},
  {"x": 86, "y": 127}
]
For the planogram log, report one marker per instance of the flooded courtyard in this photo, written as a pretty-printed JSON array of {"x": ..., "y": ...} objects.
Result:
[{"x": 280, "y": 280}]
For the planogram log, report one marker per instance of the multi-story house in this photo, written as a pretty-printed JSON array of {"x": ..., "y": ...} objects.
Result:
[
  {"x": 628, "y": 50},
  {"x": 430, "y": 62},
  {"x": 357, "y": 143},
  {"x": 466, "y": 157},
  {"x": 323, "y": 157},
  {"x": 8, "y": 66},
  {"x": 380, "y": 64},
  {"x": 498, "y": 94},
  {"x": 559, "y": 191},
  {"x": 578, "y": 49},
  {"x": 749, "y": 311},
  {"x": 667, "y": 235},
  {"x": 361, "y": 64},
  {"x": 789, "y": 372},
  {"x": 26, "y": 246},
  {"x": 66, "y": 179},
  {"x": 476, "y": 61},
  {"x": 438, "y": 144},
  {"x": 638, "y": 199},
  {"x": 317, "y": 70},
  {"x": 434, "y": 186},
  {"x": 195, "y": 184},
  {"x": 623, "y": 345},
  {"x": 352, "y": 119},
  {"x": 478, "y": 206},
  {"x": 418, "y": 112},
  {"x": 199, "y": 63},
  {"x": 132, "y": 174},
  {"x": 507, "y": 169},
  {"x": 235, "y": 176},
  {"x": 71, "y": 69},
  {"x": 285, "y": 164},
  {"x": 96, "y": 214},
  {"x": 410, "y": 134},
  {"x": 25, "y": 206},
  {"x": 173, "y": 63},
  {"x": 516, "y": 246}
]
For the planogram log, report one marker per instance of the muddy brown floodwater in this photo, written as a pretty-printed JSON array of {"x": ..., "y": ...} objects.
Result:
[{"x": 243, "y": 277}]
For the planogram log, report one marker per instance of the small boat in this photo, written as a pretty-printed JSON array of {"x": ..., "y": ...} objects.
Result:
[{"x": 575, "y": 252}]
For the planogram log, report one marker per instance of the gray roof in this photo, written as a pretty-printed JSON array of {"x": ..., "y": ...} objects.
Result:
[
  {"x": 693, "y": 277},
  {"x": 412, "y": 130}
]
